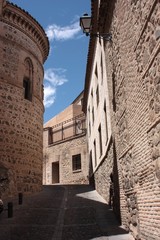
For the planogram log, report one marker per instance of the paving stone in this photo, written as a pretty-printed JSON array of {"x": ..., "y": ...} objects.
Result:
[
  {"x": 81, "y": 232},
  {"x": 79, "y": 216},
  {"x": 31, "y": 233},
  {"x": 61, "y": 213}
]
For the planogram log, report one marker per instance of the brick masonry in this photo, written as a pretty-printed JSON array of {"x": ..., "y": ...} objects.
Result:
[
  {"x": 21, "y": 120},
  {"x": 133, "y": 77},
  {"x": 134, "y": 60}
]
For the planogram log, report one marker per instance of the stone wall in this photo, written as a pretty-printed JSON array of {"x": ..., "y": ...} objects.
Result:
[
  {"x": 134, "y": 81},
  {"x": 61, "y": 154},
  {"x": 21, "y": 139},
  {"x": 102, "y": 175},
  {"x": 62, "y": 141},
  {"x": 21, "y": 119}
]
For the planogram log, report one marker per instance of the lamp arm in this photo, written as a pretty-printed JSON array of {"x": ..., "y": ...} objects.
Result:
[{"x": 104, "y": 36}]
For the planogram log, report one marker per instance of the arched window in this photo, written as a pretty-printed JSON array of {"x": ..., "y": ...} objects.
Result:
[{"x": 27, "y": 79}]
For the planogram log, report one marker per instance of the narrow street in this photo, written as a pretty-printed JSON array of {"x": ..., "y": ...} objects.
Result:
[{"x": 59, "y": 212}]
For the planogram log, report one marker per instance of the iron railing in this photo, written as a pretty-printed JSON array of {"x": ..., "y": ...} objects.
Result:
[{"x": 68, "y": 129}]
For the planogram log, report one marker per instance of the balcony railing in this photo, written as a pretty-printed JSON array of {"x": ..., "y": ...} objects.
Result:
[{"x": 68, "y": 129}]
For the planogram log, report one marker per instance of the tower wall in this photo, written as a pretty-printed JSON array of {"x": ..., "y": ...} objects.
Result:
[{"x": 23, "y": 49}]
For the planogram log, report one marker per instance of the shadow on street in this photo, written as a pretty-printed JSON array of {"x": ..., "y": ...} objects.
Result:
[{"x": 61, "y": 212}]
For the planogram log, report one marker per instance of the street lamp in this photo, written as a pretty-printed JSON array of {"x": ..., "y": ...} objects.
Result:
[{"x": 85, "y": 24}]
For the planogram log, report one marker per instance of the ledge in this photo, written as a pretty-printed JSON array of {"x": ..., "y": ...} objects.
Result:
[
  {"x": 154, "y": 124},
  {"x": 23, "y": 21}
]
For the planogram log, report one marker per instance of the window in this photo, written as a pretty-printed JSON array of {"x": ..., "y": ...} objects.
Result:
[
  {"x": 106, "y": 125},
  {"x": 76, "y": 162},
  {"x": 90, "y": 164},
  {"x": 95, "y": 153},
  {"x": 93, "y": 115},
  {"x": 100, "y": 140},
  {"x": 26, "y": 86},
  {"x": 96, "y": 71},
  {"x": 92, "y": 98},
  {"x": 97, "y": 95},
  {"x": 27, "y": 79}
]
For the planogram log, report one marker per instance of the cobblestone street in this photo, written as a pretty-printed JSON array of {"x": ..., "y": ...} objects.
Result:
[{"x": 61, "y": 213}]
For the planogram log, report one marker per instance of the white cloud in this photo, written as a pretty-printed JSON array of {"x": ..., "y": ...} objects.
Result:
[
  {"x": 53, "y": 78},
  {"x": 49, "y": 95},
  {"x": 62, "y": 33},
  {"x": 56, "y": 77}
]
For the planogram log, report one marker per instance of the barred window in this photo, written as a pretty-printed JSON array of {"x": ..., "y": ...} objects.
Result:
[
  {"x": 93, "y": 115},
  {"x": 26, "y": 86},
  {"x": 106, "y": 125},
  {"x": 97, "y": 95},
  {"x": 76, "y": 162},
  {"x": 27, "y": 79},
  {"x": 100, "y": 140},
  {"x": 95, "y": 153}
]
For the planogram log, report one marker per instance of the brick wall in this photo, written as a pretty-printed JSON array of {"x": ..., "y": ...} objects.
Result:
[{"x": 133, "y": 77}]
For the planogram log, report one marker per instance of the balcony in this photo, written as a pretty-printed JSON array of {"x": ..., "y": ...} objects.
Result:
[{"x": 67, "y": 130}]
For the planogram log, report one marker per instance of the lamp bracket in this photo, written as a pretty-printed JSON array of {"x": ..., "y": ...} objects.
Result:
[{"x": 105, "y": 36}]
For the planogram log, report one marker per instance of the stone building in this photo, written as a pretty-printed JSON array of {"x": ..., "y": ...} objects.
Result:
[
  {"x": 65, "y": 158},
  {"x": 23, "y": 49},
  {"x": 122, "y": 89}
]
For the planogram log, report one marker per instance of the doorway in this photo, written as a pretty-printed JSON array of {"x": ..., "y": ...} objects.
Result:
[{"x": 55, "y": 172}]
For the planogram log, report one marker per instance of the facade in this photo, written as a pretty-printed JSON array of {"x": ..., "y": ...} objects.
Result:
[
  {"x": 23, "y": 49},
  {"x": 122, "y": 89},
  {"x": 65, "y": 158}
]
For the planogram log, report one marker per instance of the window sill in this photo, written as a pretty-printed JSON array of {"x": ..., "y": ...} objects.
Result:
[{"x": 77, "y": 171}]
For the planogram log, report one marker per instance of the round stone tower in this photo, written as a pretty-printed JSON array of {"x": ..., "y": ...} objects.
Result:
[{"x": 24, "y": 47}]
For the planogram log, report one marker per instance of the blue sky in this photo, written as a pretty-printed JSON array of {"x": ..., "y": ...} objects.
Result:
[{"x": 66, "y": 64}]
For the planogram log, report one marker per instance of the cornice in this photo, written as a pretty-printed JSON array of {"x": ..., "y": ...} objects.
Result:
[
  {"x": 91, "y": 52},
  {"x": 23, "y": 21},
  {"x": 101, "y": 18}
]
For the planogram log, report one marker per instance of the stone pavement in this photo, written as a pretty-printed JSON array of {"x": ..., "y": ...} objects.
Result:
[{"x": 62, "y": 212}]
